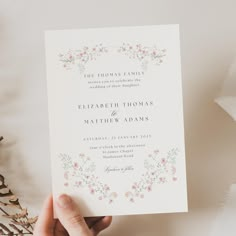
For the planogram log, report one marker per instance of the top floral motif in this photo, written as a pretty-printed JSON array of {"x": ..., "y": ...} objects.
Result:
[
  {"x": 143, "y": 54},
  {"x": 80, "y": 57}
]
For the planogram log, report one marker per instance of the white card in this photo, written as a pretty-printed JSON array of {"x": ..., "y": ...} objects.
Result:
[{"x": 116, "y": 119}]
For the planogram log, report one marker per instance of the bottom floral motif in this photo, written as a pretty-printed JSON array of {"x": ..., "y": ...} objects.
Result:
[
  {"x": 159, "y": 170},
  {"x": 78, "y": 172}
]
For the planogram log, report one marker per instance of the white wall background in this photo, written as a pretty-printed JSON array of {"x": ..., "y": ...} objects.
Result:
[{"x": 208, "y": 46}]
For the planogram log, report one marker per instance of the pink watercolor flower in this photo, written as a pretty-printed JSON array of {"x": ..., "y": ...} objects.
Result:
[
  {"x": 100, "y": 198},
  {"x": 76, "y": 165},
  {"x": 107, "y": 188},
  {"x": 127, "y": 194},
  {"x": 174, "y": 178},
  {"x": 66, "y": 184},
  {"x": 78, "y": 183},
  {"x": 66, "y": 176},
  {"x": 149, "y": 188},
  {"x": 131, "y": 200},
  {"x": 92, "y": 191},
  {"x": 163, "y": 161},
  {"x": 162, "y": 179}
]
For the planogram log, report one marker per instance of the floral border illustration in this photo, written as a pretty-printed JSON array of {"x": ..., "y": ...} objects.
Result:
[
  {"x": 81, "y": 57},
  {"x": 143, "y": 54},
  {"x": 159, "y": 170},
  {"x": 79, "y": 172}
]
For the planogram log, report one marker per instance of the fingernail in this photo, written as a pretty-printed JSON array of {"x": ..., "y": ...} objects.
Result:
[{"x": 64, "y": 201}]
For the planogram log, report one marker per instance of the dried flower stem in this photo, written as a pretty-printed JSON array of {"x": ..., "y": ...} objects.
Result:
[{"x": 19, "y": 223}]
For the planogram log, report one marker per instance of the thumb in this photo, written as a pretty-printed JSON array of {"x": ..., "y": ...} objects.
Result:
[{"x": 70, "y": 216}]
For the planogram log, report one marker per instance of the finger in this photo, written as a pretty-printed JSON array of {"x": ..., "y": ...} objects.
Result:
[
  {"x": 45, "y": 222},
  {"x": 70, "y": 216},
  {"x": 101, "y": 225}
]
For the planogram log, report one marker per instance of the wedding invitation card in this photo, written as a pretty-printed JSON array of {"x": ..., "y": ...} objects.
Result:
[{"x": 116, "y": 119}]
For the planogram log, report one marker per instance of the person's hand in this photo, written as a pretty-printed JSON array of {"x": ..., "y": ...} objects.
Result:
[{"x": 70, "y": 222}]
